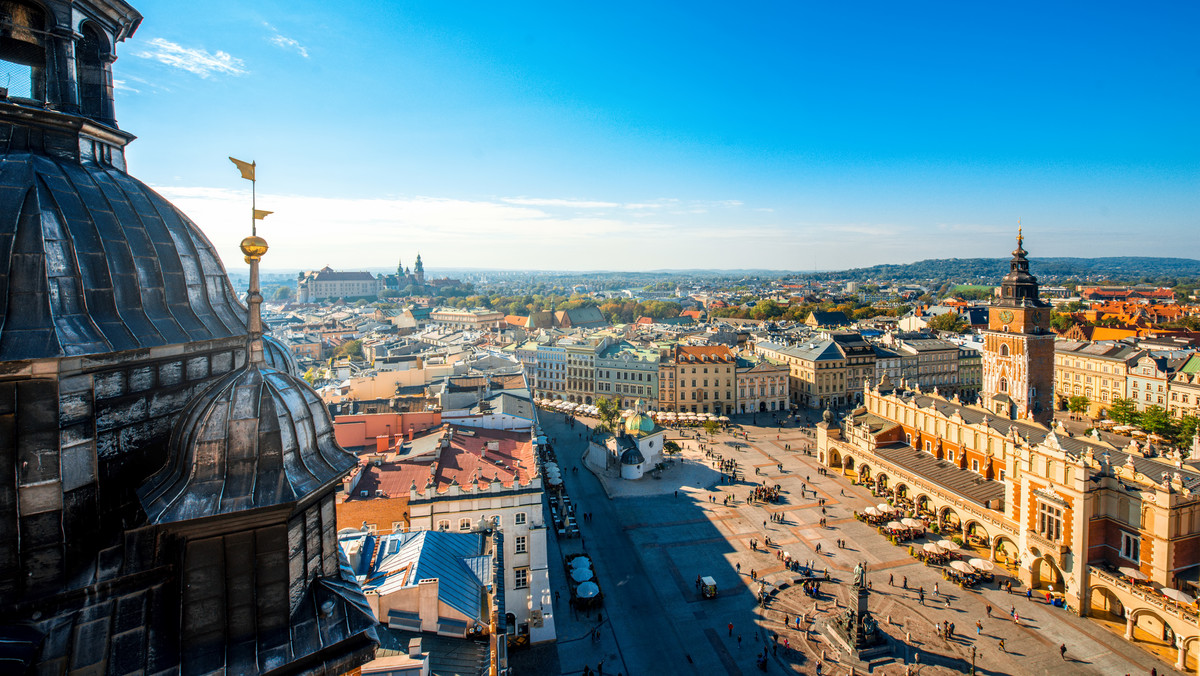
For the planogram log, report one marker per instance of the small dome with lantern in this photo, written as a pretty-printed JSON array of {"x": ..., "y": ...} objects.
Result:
[{"x": 640, "y": 424}]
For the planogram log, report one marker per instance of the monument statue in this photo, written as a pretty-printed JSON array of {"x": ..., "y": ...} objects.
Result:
[{"x": 860, "y": 576}]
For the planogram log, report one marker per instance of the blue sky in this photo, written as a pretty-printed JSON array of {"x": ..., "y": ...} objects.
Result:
[{"x": 646, "y": 136}]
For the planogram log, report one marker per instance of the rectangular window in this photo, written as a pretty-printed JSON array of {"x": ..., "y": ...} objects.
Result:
[
  {"x": 444, "y": 524},
  {"x": 520, "y": 578},
  {"x": 519, "y": 545},
  {"x": 464, "y": 524},
  {"x": 1049, "y": 522},
  {"x": 1131, "y": 547},
  {"x": 519, "y": 518}
]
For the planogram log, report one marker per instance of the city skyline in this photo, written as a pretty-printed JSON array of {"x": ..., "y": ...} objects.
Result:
[{"x": 557, "y": 138}]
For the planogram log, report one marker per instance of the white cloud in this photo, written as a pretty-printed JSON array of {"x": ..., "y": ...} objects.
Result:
[
  {"x": 196, "y": 61},
  {"x": 284, "y": 42},
  {"x": 309, "y": 232},
  {"x": 123, "y": 86},
  {"x": 545, "y": 202}
]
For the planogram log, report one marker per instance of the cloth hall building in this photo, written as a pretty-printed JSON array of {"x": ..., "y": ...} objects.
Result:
[{"x": 1112, "y": 532}]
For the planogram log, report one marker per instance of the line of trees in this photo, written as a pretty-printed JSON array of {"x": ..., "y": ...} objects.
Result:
[{"x": 1154, "y": 420}]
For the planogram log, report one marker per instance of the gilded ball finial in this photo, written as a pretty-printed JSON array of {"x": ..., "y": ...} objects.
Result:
[{"x": 254, "y": 247}]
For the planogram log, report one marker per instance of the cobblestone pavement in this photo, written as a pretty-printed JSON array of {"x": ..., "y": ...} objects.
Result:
[{"x": 650, "y": 540}]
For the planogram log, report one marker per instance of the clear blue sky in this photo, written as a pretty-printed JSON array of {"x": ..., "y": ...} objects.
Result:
[{"x": 642, "y": 135}]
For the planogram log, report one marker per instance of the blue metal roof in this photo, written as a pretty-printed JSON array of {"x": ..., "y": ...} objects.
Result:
[{"x": 456, "y": 560}]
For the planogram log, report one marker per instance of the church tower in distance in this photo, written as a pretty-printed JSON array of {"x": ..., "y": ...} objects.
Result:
[{"x": 1018, "y": 348}]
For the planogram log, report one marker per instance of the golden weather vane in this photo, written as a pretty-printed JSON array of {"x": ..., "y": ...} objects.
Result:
[{"x": 256, "y": 214}]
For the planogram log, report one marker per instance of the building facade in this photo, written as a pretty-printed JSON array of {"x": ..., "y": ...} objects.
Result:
[
  {"x": 705, "y": 379},
  {"x": 628, "y": 374},
  {"x": 762, "y": 385},
  {"x": 1097, "y": 371},
  {"x": 1018, "y": 354},
  {"x": 328, "y": 283}
]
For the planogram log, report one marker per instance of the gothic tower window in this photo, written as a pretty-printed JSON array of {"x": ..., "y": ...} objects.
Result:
[
  {"x": 89, "y": 65},
  {"x": 23, "y": 50}
]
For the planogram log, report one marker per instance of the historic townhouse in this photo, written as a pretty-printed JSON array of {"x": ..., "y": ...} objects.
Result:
[
  {"x": 1097, "y": 371},
  {"x": 627, "y": 373},
  {"x": 762, "y": 385},
  {"x": 1074, "y": 516},
  {"x": 1149, "y": 374},
  {"x": 704, "y": 377}
]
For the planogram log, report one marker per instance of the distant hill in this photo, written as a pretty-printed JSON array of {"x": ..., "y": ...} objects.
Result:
[{"x": 990, "y": 270}]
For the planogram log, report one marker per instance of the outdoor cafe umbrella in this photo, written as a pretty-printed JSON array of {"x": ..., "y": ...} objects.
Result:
[
  {"x": 587, "y": 590},
  {"x": 961, "y": 566},
  {"x": 884, "y": 507},
  {"x": 871, "y": 511},
  {"x": 948, "y": 545},
  {"x": 895, "y": 525},
  {"x": 554, "y": 480},
  {"x": 932, "y": 548},
  {"x": 581, "y": 562},
  {"x": 913, "y": 523},
  {"x": 1133, "y": 573},
  {"x": 1176, "y": 595},
  {"x": 581, "y": 574},
  {"x": 982, "y": 565}
]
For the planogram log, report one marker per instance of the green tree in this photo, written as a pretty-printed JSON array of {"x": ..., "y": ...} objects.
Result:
[
  {"x": 951, "y": 321},
  {"x": 1156, "y": 420},
  {"x": 283, "y": 293},
  {"x": 711, "y": 426},
  {"x": 1078, "y": 405},
  {"x": 672, "y": 448},
  {"x": 1185, "y": 431},
  {"x": 608, "y": 410},
  {"x": 351, "y": 349},
  {"x": 1124, "y": 411},
  {"x": 1060, "y": 322}
]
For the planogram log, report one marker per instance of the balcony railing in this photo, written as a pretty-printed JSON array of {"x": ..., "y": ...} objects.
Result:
[
  {"x": 1151, "y": 597},
  {"x": 1045, "y": 543}
]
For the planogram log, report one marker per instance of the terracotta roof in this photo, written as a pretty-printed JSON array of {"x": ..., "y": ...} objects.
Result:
[
  {"x": 466, "y": 458},
  {"x": 701, "y": 353}
]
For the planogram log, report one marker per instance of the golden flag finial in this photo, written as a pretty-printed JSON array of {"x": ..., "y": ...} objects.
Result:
[{"x": 247, "y": 168}]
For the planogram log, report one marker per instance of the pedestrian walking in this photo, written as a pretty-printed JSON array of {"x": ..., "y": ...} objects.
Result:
[
  {"x": 1002, "y": 646},
  {"x": 892, "y": 580},
  {"x": 1062, "y": 650},
  {"x": 988, "y": 608},
  {"x": 731, "y": 629},
  {"x": 739, "y": 641},
  {"x": 935, "y": 590},
  {"x": 978, "y": 627}
]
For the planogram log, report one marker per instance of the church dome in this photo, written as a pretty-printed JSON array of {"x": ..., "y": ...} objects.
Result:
[
  {"x": 632, "y": 456},
  {"x": 639, "y": 423},
  {"x": 257, "y": 438},
  {"x": 93, "y": 261},
  {"x": 279, "y": 357}
]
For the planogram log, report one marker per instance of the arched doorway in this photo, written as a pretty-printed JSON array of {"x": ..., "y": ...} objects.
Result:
[
  {"x": 1045, "y": 573},
  {"x": 588, "y": 401},
  {"x": 1005, "y": 551},
  {"x": 848, "y": 464},
  {"x": 976, "y": 536},
  {"x": 901, "y": 491},
  {"x": 948, "y": 521},
  {"x": 1105, "y": 605},
  {"x": 835, "y": 458},
  {"x": 923, "y": 506},
  {"x": 864, "y": 472},
  {"x": 1144, "y": 625},
  {"x": 762, "y": 407},
  {"x": 881, "y": 482}
]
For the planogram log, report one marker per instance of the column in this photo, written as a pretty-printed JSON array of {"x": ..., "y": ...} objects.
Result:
[{"x": 1129, "y": 628}]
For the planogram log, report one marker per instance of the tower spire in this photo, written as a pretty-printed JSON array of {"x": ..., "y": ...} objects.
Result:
[{"x": 253, "y": 248}]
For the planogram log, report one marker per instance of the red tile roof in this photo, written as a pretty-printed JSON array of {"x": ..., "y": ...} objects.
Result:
[{"x": 464, "y": 460}]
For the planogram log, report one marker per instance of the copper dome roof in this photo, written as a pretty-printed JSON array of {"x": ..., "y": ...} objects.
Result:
[
  {"x": 94, "y": 261},
  {"x": 257, "y": 438}
]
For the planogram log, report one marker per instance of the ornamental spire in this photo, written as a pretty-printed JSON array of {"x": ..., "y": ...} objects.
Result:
[{"x": 253, "y": 248}]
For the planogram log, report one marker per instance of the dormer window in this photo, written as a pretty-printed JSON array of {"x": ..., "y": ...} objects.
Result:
[{"x": 23, "y": 50}]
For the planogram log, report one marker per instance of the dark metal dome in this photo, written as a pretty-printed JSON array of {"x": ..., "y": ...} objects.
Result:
[
  {"x": 279, "y": 357},
  {"x": 94, "y": 261},
  {"x": 257, "y": 438}
]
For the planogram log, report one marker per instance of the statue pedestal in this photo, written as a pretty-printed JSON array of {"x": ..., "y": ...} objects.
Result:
[{"x": 856, "y": 634}]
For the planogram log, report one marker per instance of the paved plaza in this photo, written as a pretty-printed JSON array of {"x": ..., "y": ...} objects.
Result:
[{"x": 650, "y": 539}]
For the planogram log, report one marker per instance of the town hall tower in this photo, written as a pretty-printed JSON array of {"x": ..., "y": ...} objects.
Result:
[{"x": 1018, "y": 348}]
